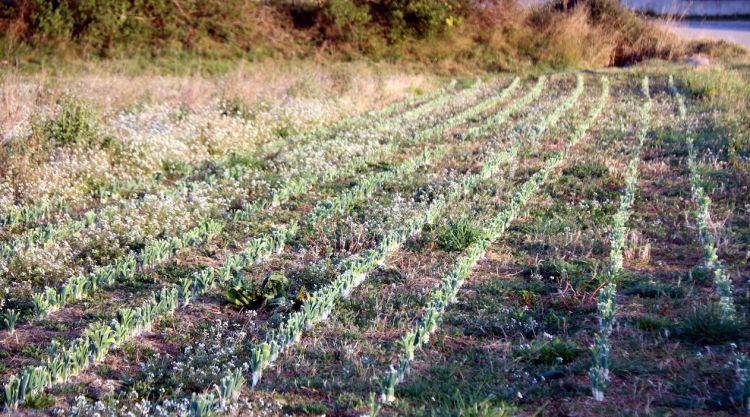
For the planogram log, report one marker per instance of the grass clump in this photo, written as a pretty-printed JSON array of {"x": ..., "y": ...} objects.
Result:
[
  {"x": 652, "y": 324},
  {"x": 456, "y": 234},
  {"x": 551, "y": 352},
  {"x": 39, "y": 401},
  {"x": 652, "y": 289},
  {"x": 587, "y": 170},
  {"x": 706, "y": 325},
  {"x": 465, "y": 405},
  {"x": 717, "y": 87}
]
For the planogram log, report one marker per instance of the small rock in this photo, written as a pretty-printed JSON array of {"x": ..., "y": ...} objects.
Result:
[
  {"x": 698, "y": 60},
  {"x": 99, "y": 389}
]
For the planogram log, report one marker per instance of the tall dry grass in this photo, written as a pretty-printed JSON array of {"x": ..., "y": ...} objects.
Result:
[
  {"x": 357, "y": 85},
  {"x": 564, "y": 34}
]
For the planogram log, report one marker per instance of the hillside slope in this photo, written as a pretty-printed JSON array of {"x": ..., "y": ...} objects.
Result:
[{"x": 448, "y": 35}]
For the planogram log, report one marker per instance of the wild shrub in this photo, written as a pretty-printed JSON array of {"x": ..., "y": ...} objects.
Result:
[
  {"x": 348, "y": 18},
  {"x": 421, "y": 18}
]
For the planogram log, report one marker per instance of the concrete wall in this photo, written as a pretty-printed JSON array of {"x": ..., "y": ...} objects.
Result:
[{"x": 692, "y": 7}]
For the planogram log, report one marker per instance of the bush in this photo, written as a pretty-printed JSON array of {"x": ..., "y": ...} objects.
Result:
[
  {"x": 107, "y": 25},
  {"x": 500, "y": 35},
  {"x": 348, "y": 19},
  {"x": 420, "y": 18}
]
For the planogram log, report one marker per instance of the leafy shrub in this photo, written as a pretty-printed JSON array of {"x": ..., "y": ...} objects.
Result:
[
  {"x": 420, "y": 18},
  {"x": 397, "y": 20},
  {"x": 53, "y": 20},
  {"x": 348, "y": 18},
  {"x": 75, "y": 124},
  {"x": 272, "y": 292},
  {"x": 253, "y": 296},
  {"x": 106, "y": 25},
  {"x": 497, "y": 35}
]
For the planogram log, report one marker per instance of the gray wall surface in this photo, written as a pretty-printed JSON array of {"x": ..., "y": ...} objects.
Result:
[
  {"x": 684, "y": 7},
  {"x": 692, "y": 7}
]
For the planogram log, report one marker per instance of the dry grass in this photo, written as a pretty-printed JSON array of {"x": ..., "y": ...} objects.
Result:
[
  {"x": 26, "y": 98},
  {"x": 508, "y": 36}
]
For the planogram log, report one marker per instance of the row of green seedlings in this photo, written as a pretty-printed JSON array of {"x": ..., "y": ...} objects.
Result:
[
  {"x": 208, "y": 403},
  {"x": 342, "y": 202},
  {"x": 233, "y": 381},
  {"x": 238, "y": 263},
  {"x": 606, "y": 305},
  {"x": 421, "y": 105},
  {"x": 158, "y": 252},
  {"x": 321, "y": 303},
  {"x": 711, "y": 261},
  {"x": 702, "y": 214},
  {"x": 476, "y": 111},
  {"x": 30, "y": 213},
  {"x": 318, "y": 307},
  {"x": 65, "y": 362},
  {"x": 490, "y": 123},
  {"x": 36, "y": 212},
  {"x": 448, "y": 288},
  {"x": 304, "y": 183},
  {"x": 42, "y": 210},
  {"x": 21, "y": 386},
  {"x": 48, "y": 232}
]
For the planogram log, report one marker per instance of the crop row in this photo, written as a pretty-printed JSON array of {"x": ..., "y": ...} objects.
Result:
[
  {"x": 34, "y": 213},
  {"x": 599, "y": 371},
  {"x": 321, "y": 303},
  {"x": 159, "y": 251},
  {"x": 64, "y": 362},
  {"x": 228, "y": 169},
  {"x": 19, "y": 386},
  {"x": 722, "y": 281},
  {"x": 323, "y": 300},
  {"x": 448, "y": 287}
]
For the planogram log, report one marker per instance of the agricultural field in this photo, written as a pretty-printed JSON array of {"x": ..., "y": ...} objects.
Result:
[{"x": 361, "y": 241}]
